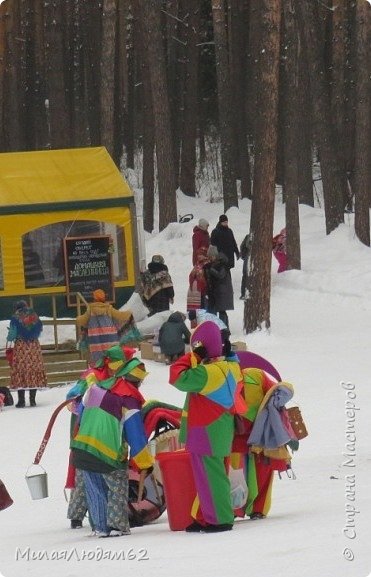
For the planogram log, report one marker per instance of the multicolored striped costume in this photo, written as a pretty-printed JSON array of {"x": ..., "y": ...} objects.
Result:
[
  {"x": 102, "y": 322},
  {"x": 207, "y": 428}
]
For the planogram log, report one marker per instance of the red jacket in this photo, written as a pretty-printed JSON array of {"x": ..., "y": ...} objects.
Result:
[{"x": 200, "y": 238}]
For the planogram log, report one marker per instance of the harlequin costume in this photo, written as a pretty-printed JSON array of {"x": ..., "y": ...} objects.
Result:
[
  {"x": 207, "y": 424},
  {"x": 110, "y": 420},
  {"x": 259, "y": 446}
]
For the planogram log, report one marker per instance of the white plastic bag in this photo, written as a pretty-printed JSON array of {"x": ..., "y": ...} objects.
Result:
[
  {"x": 238, "y": 488},
  {"x": 136, "y": 306}
]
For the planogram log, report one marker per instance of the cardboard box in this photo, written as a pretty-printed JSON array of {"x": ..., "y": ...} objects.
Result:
[
  {"x": 239, "y": 346},
  {"x": 151, "y": 352},
  {"x": 146, "y": 350},
  {"x": 158, "y": 355}
]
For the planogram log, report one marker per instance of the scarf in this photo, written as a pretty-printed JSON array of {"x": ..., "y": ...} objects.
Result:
[{"x": 27, "y": 324}]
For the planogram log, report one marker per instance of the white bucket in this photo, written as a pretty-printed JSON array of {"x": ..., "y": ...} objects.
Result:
[{"x": 38, "y": 484}]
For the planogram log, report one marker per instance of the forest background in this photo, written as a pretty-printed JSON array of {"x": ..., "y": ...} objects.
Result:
[{"x": 251, "y": 94}]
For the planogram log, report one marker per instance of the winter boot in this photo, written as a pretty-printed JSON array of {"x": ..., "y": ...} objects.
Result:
[
  {"x": 76, "y": 523},
  {"x": 218, "y": 528},
  {"x": 194, "y": 527},
  {"x": 21, "y": 401},
  {"x": 33, "y": 398}
]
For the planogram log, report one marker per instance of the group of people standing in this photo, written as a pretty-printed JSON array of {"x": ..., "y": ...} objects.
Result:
[
  {"x": 213, "y": 257},
  {"x": 232, "y": 418}
]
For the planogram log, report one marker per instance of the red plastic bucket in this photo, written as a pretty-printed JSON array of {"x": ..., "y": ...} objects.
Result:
[{"x": 179, "y": 487}]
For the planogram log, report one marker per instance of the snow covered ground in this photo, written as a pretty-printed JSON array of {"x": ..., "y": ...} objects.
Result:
[{"x": 319, "y": 341}]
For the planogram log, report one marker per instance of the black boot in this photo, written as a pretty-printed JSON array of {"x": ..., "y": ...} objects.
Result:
[
  {"x": 76, "y": 523},
  {"x": 21, "y": 401},
  {"x": 32, "y": 398}
]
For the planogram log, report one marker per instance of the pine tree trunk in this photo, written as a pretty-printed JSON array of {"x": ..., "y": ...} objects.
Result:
[
  {"x": 161, "y": 111},
  {"x": 2, "y": 73},
  {"x": 58, "y": 116},
  {"x": 224, "y": 105},
  {"x": 363, "y": 125},
  {"x": 337, "y": 84},
  {"x": 238, "y": 17},
  {"x": 107, "y": 70},
  {"x": 128, "y": 52},
  {"x": 253, "y": 60},
  {"x": 331, "y": 174},
  {"x": 40, "y": 134},
  {"x": 12, "y": 89},
  {"x": 257, "y": 306},
  {"x": 79, "y": 124},
  {"x": 305, "y": 159},
  {"x": 188, "y": 155},
  {"x": 290, "y": 106},
  {"x": 172, "y": 15},
  {"x": 148, "y": 173},
  {"x": 91, "y": 35}
]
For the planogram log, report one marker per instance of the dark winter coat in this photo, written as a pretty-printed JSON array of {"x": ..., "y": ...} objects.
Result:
[
  {"x": 219, "y": 285},
  {"x": 223, "y": 238},
  {"x": 157, "y": 288},
  {"x": 173, "y": 335},
  {"x": 200, "y": 238}
]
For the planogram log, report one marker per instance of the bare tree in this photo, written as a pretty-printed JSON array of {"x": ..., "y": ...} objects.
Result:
[{"x": 257, "y": 306}]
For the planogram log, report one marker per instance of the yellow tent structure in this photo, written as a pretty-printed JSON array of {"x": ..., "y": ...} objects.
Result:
[{"x": 49, "y": 196}]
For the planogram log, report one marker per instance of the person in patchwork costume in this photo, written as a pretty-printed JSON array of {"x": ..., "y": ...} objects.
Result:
[
  {"x": 212, "y": 383},
  {"x": 110, "y": 420},
  {"x": 261, "y": 440}
]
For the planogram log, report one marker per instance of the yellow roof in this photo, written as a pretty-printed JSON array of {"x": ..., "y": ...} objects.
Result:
[{"x": 60, "y": 176}]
